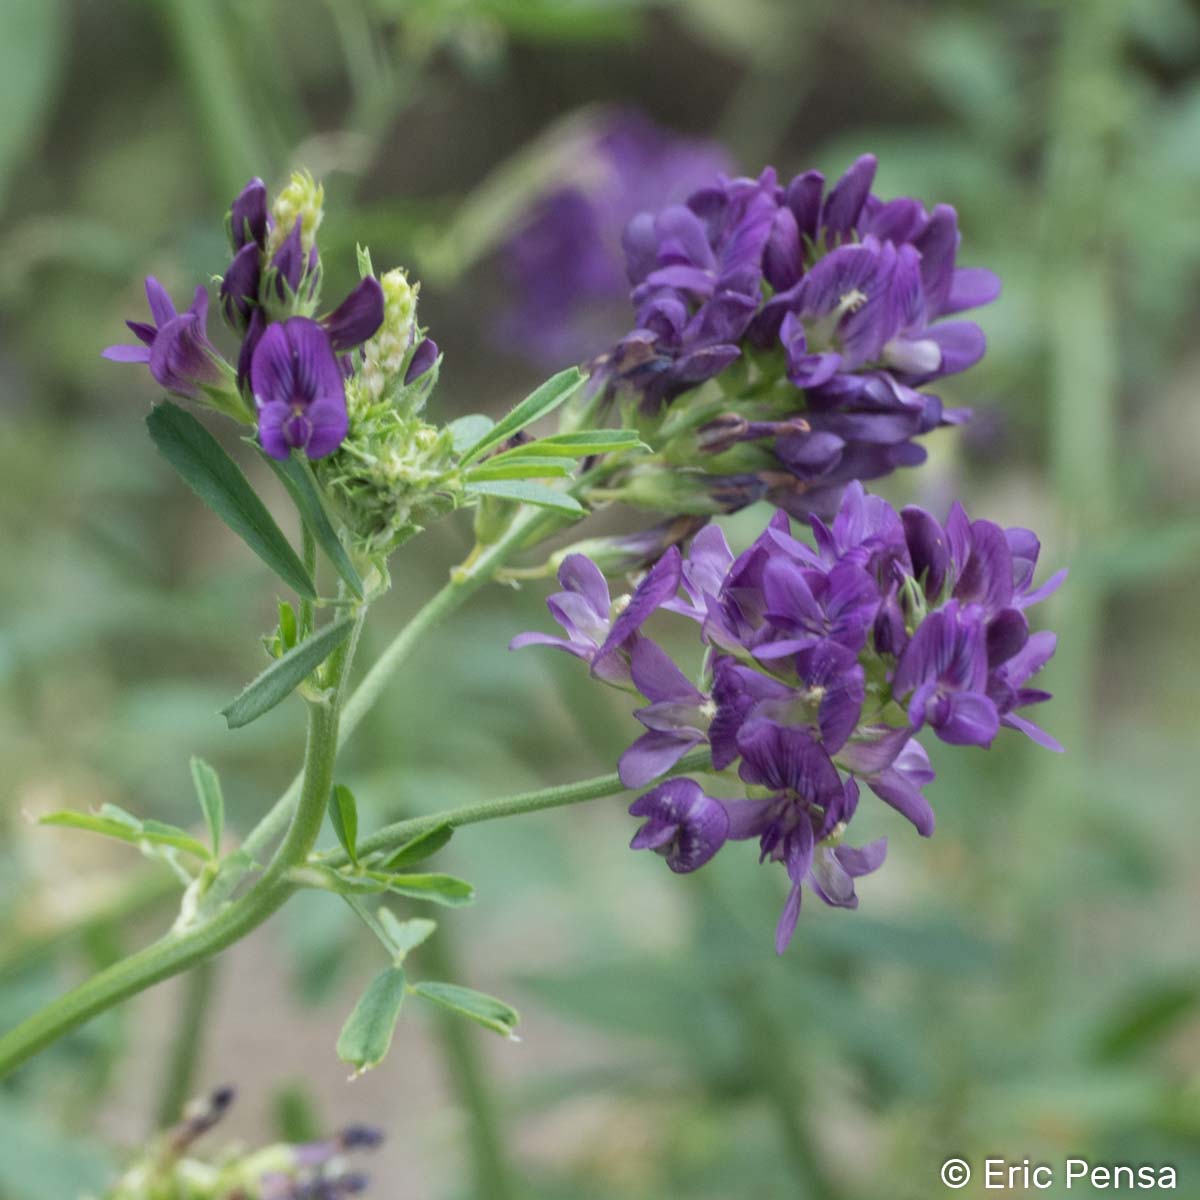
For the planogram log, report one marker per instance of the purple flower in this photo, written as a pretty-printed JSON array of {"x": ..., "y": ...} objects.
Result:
[
  {"x": 681, "y": 823},
  {"x": 249, "y": 217},
  {"x": 856, "y": 295},
  {"x": 299, "y": 390},
  {"x": 599, "y": 632},
  {"x": 424, "y": 356},
  {"x": 175, "y": 346},
  {"x": 676, "y": 719},
  {"x": 564, "y": 263}
]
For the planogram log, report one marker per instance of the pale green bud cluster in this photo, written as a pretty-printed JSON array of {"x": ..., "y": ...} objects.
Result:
[
  {"x": 386, "y": 354},
  {"x": 303, "y": 197}
]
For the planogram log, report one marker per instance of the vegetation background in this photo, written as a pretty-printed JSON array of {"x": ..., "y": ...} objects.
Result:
[{"x": 1026, "y": 984}]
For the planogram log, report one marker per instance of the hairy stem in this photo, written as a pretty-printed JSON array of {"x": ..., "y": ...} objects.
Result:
[
  {"x": 463, "y": 583},
  {"x": 181, "y": 949},
  {"x": 178, "y": 951}
]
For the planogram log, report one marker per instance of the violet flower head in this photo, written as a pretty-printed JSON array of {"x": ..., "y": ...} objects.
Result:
[
  {"x": 175, "y": 345},
  {"x": 564, "y": 264},
  {"x": 822, "y": 661},
  {"x": 839, "y": 294},
  {"x": 299, "y": 390}
]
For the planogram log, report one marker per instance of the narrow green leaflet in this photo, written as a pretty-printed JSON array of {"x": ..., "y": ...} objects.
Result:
[
  {"x": 285, "y": 674},
  {"x": 343, "y": 816},
  {"x": 115, "y": 823},
  {"x": 405, "y": 935},
  {"x": 522, "y": 466},
  {"x": 468, "y": 430},
  {"x": 420, "y": 848},
  {"x": 487, "y": 1011},
  {"x": 219, "y": 482},
  {"x": 440, "y": 889},
  {"x": 296, "y": 477},
  {"x": 527, "y": 493},
  {"x": 212, "y": 802},
  {"x": 555, "y": 391},
  {"x": 576, "y": 445},
  {"x": 367, "y": 1033}
]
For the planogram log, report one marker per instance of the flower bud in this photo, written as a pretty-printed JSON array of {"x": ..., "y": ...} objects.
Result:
[{"x": 304, "y": 199}]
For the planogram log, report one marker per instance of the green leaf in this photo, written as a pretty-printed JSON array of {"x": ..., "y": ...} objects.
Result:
[
  {"x": 521, "y": 467},
  {"x": 132, "y": 831},
  {"x": 487, "y": 1011},
  {"x": 440, "y": 889},
  {"x": 285, "y": 674},
  {"x": 208, "y": 791},
  {"x": 219, "y": 482},
  {"x": 405, "y": 935},
  {"x": 367, "y": 1033},
  {"x": 288, "y": 628},
  {"x": 296, "y": 475},
  {"x": 468, "y": 430},
  {"x": 343, "y": 816},
  {"x": 576, "y": 445},
  {"x": 528, "y": 493},
  {"x": 420, "y": 848},
  {"x": 555, "y": 391}
]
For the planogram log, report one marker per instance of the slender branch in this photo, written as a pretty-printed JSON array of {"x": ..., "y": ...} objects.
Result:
[
  {"x": 393, "y": 836},
  {"x": 463, "y": 584},
  {"x": 179, "y": 1078},
  {"x": 179, "y": 950}
]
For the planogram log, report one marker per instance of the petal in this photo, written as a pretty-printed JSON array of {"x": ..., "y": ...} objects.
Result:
[
  {"x": 1007, "y": 632},
  {"x": 248, "y": 219},
  {"x": 126, "y": 354},
  {"x": 329, "y": 425},
  {"x": 580, "y": 575},
  {"x": 423, "y": 358},
  {"x": 846, "y": 198},
  {"x": 987, "y": 576},
  {"x": 783, "y": 257},
  {"x": 803, "y": 197},
  {"x": 357, "y": 317},
  {"x": 938, "y": 244},
  {"x": 658, "y": 678},
  {"x": 962, "y": 344},
  {"x": 787, "y": 920},
  {"x": 271, "y": 418},
  {"x": 161, "y": 307},
  {"x": 1032, "y": 731},
  {"x": 316, "y": 372},
  {"x": 971, "y": 287},
  {"x": 659, "y": 585},
  {"x": 272, "y": 373},
  {"x": 862, "y": 861},
  {"x": 652, "y": 755},
  {"x": 971, "y": 719}
]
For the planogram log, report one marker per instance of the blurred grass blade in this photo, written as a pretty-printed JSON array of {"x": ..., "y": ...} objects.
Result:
[
  {"x": 367, "y": 1033},
  {"x": 219, "y": 482},
  {"x": 285, "y": 674},
  {"x": 296, "y": 475},
  {"x": 212, "y": 801},
  {"x": 545, "y": 399},
  {"x": 527, "y": 493},
  {"x": 485, "y": 1010}
]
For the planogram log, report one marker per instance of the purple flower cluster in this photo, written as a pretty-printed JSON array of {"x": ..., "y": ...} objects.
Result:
[
  {"x": 823, "y": 661},
  {"x": 293, "y": 366},
  {"x": 563, "y": 264},
  {"x": 836, "y": 291}
]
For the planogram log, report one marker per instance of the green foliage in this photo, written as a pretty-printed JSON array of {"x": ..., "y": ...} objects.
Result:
[
  {"x": 420, "y": 848},
  {"x": 367, "y": 1033},
  {"x": 484, "y": 1010},
  {"x": 343, "y": 816},
  {"x": 212, "y": 802},
  {"x": 115, "y": 822},
  {"x": 537, "y": 494},
  {"x": 558, "y": 389},
  {"x": 219, "y": 482},
  {"x": 296, "y": 475},
  {"x": 285, "y": 674}
]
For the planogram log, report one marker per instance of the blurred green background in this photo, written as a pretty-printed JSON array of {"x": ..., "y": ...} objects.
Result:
[{"x": 1026, "y": 984}]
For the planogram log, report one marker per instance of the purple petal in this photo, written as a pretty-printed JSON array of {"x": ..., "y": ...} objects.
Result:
[
  {"x": 329, "y": 424},
  {"x": 578, "y": 574},
  {"x": 863, "y": 860},
  {"x": 803, "y": 197},
  {"x": 1032, "y": 731},
  {"x": 248, "y": 219},
  {"x": 658, "y": 678},
  {"x": 161, "y": 307},
  {"x": 357, "y": 317},
  {"x": 423, "y": 358},
  {"x": 971, "y": 287},
  {"x": 652, "y": 755},
  {"x": 659, "y": 585},
  {"x": 970, "y": 719},
  {"x": 938, "y": 244},
  {"x": 962, "y": 344},
  {"x": 846, "y": 198},
  {"x": 787, "y": 920},
  {"x": 126, "y": 354},
  {"x": 239, "y": 288}
]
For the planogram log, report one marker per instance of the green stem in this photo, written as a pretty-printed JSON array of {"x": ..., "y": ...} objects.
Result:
[
  {"x": 181, "y": 949},
  {"x": 390, "y": 837},
  {"x": 179, "y": 1079},
  {"x": 178, "y": 951},
  {"x": 494, "y": 1175},
  {"x": 463, "y": 583}
]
